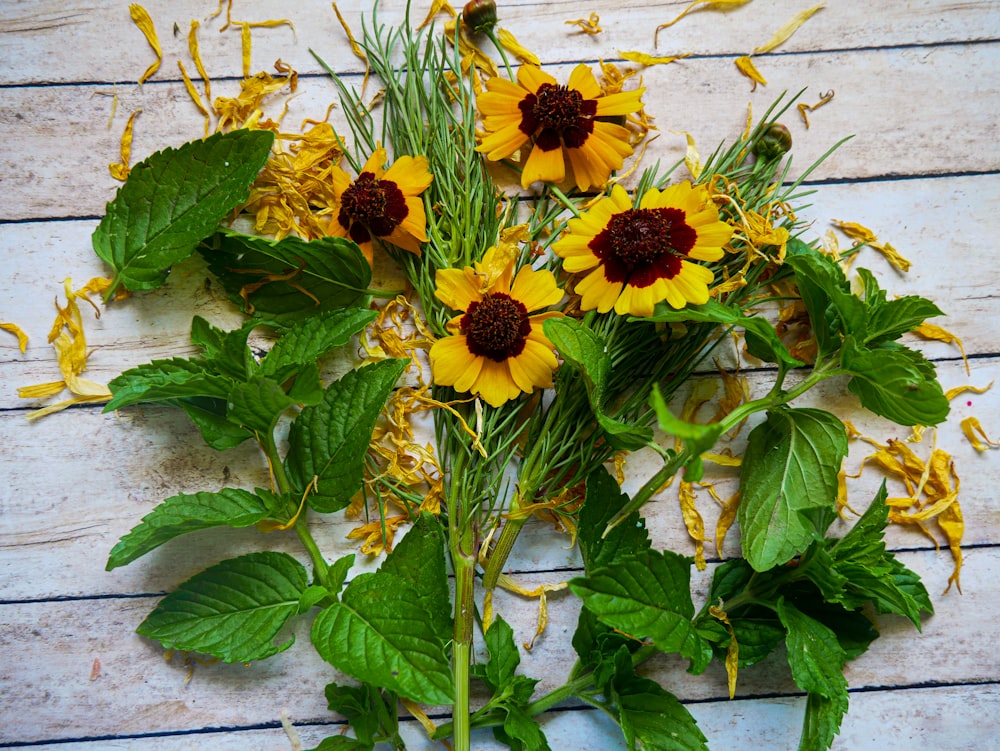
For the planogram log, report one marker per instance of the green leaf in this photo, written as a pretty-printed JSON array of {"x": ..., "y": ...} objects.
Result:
[
  {"x": 822, "y": 721},
  {"x": 521, "y": 732},
  {"x": 814, "y": 654},
  {"x": 651, "y": 718},
  {"x": 380, "y": 633},
  {"x": 603, "y": 501},
  {"x": 370, "y": 712},
  {"x": 697, "y": 438},
  {"x": 209, "y": 415},
  {"x": 180, "y": 514},
  {"x": 789, "y": 477},
  {"x": 164, "y": 380},
  {"x": 890, "y": 319},
  {"x": 504, "y": 657},
  {"x": 306, "y": 277},
  {"x": 233, "y": 610},
  {"x": 896, "y": 383},
  {"x": 833, "y": 309},
  {"x": 173, "y": 200},
  {"x": 342, "y": 743},
  {"x": 648, "y": 595},
  {"x": 257, "y": 404},
  {"x": 306, "y": 342},
  {"x": 337, "y": 573},
  {"x": 419, "y": 559},
  {"x": 328, "y": 441},
  {"x": 584, "y": 350}
]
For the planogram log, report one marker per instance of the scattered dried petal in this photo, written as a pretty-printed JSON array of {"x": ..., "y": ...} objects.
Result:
[
  {"x": 693, "y": 522},
  {"x": 970, "y": 428},
  {"x": 644, "y": 59},
  {"x": 142, "y": 20},
  {"x": 22, "y": 338},
  {"x": 745, "y": 66},
  {"x": 788, "y": 28},
  {"x": 509, "y": 43},
  {"x": 589, "y": 26},
  {"x": 939, "y": 334},
  {"x": 804, "y": 108},
  {"x": 437, "y": 6},
  {"x": 706, "y": 5},
  {"x": 508, "y": 583},
  {"x": 732, "y": 651},
  {"x": 120, "y": 171}
]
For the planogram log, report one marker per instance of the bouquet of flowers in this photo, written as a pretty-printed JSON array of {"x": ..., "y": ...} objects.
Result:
[{"x": 550, "y": 319}]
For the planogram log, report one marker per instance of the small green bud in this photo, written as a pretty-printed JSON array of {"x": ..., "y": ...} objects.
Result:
[
  {"x": 480, "y": 15},
  {"x": 773, "y": 143}
]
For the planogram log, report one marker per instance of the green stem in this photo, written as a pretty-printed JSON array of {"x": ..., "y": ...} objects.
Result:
[
  {"x": 501, "y": 551},
  {"x": 306, "y": 538},
  {"x": 463, "y": 561}
]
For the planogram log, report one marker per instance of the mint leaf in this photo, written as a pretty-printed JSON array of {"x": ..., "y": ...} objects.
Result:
[
  {"x": 896, "y": 383},
  {"x": 328, "y": 441},
  {"x": 651, "y": 718},
  {"x": 788, "y": 483},
  {"x": 290, "y": 279},
  {"x": 603, "y": 502},
  {"x": 257, "y": 404},
  {"x": 173, "y": 200},
  {"x": 180, "y": 514},
  {"x": 890, "y": 319},
  {"x": 342, "y": 743},
  {"x": 822, "y": 721},
  {"x": 380, "y": 633},
  {"x": 648, "y": 595},
  {"x": 306, "y": 342},
  {"x": 521, "y": 732},
  {"x": 585, "y": 351},
  {"x": 833, "y": 309},
  {"x": 419, "y": 559},
  {"x": 233, "y": 610},
  {"x": 369, "y": 711},
  {"x": 209, "y": 416},
  {"x": 165, "y": 380},
  {"x": 504, "y": 657},
  {"x": 697, "y": 439}
]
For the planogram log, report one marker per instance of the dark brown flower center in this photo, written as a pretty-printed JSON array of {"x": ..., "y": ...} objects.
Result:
[
  {"x": 371, "y": 207},
  {"x": 558, "y": 115},
  {"x": 639, "y": 246},
  {"x": 496, "y": 326}
]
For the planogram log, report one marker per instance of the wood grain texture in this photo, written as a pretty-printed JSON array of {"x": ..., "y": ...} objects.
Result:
[{"x": 915, "y": 85}]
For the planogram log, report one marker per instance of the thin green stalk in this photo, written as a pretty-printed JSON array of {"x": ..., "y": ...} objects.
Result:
[{"x": 463, "y": 561}]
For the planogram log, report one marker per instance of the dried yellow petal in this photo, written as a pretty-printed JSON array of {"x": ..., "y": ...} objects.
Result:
[
  {"x": 142, "y": 20},
  {"x": 705, "y": 5},
  {"x": 509, "y": 43},
  {"x": 745, "y": 66},
  {"x": 644, "y": 59},
  {"x": 22, "y": 338},
  {"x": 508, "y": 583},
  {"x": 804, "y": 108},
  {"x": 195, "y": 96},
  {"x": 788, "y": 28},
  {"x": 733, "y": 651},
  {"x": 692, "y": 159},
  {"x": 970, "y": 427},
  {"x": 693, "y": 522},
  {"x": 437, "y": 6},
  {"x": 726, "y": 516},
  {"x": 864, "y": 235},
  {"x": 120, "y": 170},
  {"x": 939, "y": 334},
  {"x": 952, "y": 524},
  {"x": 587, "y": 26},
  {"x": 952, "y": 393}
]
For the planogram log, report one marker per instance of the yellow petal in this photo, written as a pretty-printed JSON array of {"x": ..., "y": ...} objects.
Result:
[
  {"x": 804, "y": 108},
  {"x": 437, "y": 6},
  {"x": 543, "y": 166},
  {"x": 589, "y": 26},
  {"x": 692, "y": 160},
  {"x": 706, "y": 4},
  {"x": 733, "y": 651},
  {"x": 120, "y": 171},
  {"x": 971, "y": 427},
  {"x": 142, "y": 20},
  {"x": 745, "y": 66},
  {"x": 693, "y": 522},
  {"x": 22, "y": 338},
  {"x": 937, "y": 333},
  {"x": 788, "y": 28},
  {"x": 509, "y": 43},
  {"x": 645, "y": 59}
]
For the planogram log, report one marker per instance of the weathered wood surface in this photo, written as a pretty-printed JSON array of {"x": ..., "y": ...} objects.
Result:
[{"x": 915, "y": 83}]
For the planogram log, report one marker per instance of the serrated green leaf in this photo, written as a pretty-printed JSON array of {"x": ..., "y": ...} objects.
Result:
[
  {"x": 183, "y": 513},
  {"x": 173, "y": 200},
  {"x": 164, "y": 380},
  {"x": 696, "y": 438},
  {"x": 833, "y": 310},
  {"x": 651, "y": 718},
  {"x": 584, "y": 350},
  {"x": 342, "y": 743},
  {"x": 306, "y": 277},
  {"x": 338, "y": 571},
  {"x": 814, "y": 654},
  {"x": 895, "y": 382},
  {"x": 521, "y": 732},
  {"x": 603, "y": 501},
  {"x": 822, "y": 721},
  {"x": 209, "y": 416},
  {"x": 890, "y": 319},
  {"x": 504, "y": 657},
  {"x": 419, "y": 559},
  {"x": 370, "y": 712},
  {"x": 379, "y": 633},
  {"x": 233, "y": 610},
  {"x": 306, "y": 342},
  {"x": 328, "y": 441},
  {"x": 648, "y": 595},
  {"x": 257, "y": 404},
  {"x": 789, "y": 474}
]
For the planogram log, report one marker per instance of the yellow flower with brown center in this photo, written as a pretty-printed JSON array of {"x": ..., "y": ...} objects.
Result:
[
  {"x": 382, "y": 203},
  {"x": 641, "y": 255},
  {"x": 497, "y": 349},
  {"x": 563, "y": 122}
]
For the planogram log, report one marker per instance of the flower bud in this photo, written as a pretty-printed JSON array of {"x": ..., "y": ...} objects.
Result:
[
  {"x": 774, "y": 142},
  {"x": 480, "y": 15}
]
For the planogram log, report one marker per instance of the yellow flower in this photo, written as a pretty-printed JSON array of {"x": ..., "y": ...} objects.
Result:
[
  {"x": 640, "y": 256},
  {"x": 562, "y": 120},
  {"x": 382, "y": 203},
  {"x": 497, "y": 349}
]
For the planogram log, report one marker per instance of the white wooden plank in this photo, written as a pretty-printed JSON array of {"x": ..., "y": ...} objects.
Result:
[
  {"x": 50, "y": 650},
  {"x": 35, "y": 46},
  {"x": 60, "y": 167},
  {"x": 949, "y": 717}
]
